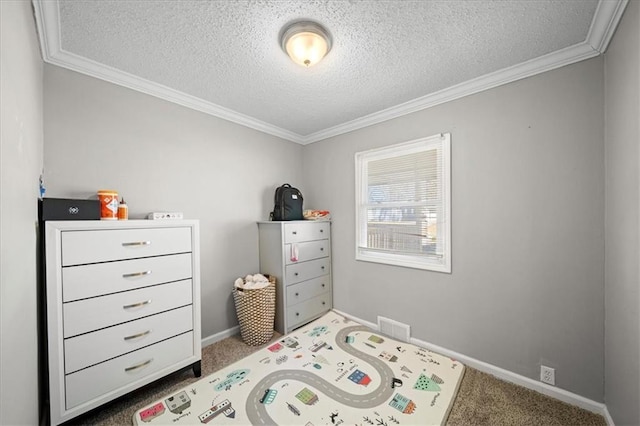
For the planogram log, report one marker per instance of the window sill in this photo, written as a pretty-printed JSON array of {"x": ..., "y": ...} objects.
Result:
[{"x": 414, "y": 262}]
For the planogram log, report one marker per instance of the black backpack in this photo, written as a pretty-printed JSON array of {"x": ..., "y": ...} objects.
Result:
[{"x": 288, "y": 203}]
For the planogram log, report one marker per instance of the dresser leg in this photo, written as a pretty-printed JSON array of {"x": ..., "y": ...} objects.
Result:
[{"x": 197, "y": 368}]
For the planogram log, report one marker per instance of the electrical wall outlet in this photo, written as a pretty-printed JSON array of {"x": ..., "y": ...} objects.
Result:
[{"x": 547, "y": 375}]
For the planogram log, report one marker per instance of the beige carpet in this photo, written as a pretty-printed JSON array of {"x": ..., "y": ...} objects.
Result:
[{"x": 482, "y": 399}]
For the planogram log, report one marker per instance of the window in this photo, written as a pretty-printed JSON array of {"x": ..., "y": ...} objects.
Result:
[{"x": 403, "y": 207}]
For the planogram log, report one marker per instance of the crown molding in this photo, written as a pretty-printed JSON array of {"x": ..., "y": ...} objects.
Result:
[
  {"x": 604, "y": 24},
  {"x": 530, "y": 68},
  {"x": 48, "y": 25},
  {"x": 605, "y": 21}
]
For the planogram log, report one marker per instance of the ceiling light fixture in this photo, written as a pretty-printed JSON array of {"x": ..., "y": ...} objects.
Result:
[{"x": 305, "y": 42}]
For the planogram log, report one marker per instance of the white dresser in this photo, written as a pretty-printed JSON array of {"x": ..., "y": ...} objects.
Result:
[
  {"x": 123, "y": 308},
  {"x": 298, "y": 253}
]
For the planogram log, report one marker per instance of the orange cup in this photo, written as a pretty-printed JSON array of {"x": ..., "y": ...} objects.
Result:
[{"x": 108, "y": 204}]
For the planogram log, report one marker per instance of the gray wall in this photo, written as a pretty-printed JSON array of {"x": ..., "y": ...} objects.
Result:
[
  {"x": 622, "y": 225},
  {"x": 164, "y": 157},
  {"x": 20, "y": 166},
  {"x": 528, "y": 209},
  {"x": 527, "y": 224}
]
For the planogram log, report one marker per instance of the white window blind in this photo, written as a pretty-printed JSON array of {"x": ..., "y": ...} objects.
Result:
[{"x": 403, "y": 204}]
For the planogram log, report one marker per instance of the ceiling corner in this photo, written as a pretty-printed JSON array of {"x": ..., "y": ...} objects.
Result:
[
  {"x": 604, "y": 24},
  {"x": 48, "y": 27}
]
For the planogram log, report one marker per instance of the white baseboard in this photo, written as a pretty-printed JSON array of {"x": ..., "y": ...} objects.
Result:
[
  {"x": 372, "y": 325},
  {"x": 210, "y": 340},
  {"x": 506, "y": 375},
  {"x": 608, "y": 417},
  {"x": 511, "y": 377}
]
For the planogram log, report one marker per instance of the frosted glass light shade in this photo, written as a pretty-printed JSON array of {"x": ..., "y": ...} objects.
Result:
[{"x": 306, "y": 42}]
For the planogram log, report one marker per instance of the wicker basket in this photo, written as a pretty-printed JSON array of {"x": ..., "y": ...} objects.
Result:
[{"x": 256, "y": 309}]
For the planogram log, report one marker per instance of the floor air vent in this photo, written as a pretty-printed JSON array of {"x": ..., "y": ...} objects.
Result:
[{"x": 394, "y": 329}]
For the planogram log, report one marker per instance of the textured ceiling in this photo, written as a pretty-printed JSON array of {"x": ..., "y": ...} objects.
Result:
[{"x": 385, "y": 53}]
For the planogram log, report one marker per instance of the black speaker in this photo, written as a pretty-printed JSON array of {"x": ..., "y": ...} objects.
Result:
[{"x": 68, "y": 209}]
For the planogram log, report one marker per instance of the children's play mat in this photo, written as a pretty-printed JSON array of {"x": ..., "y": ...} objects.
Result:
[{"x": 328, "y": 372}]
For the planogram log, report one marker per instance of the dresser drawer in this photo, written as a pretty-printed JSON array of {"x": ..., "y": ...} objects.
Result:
[
  {"x": 91, "y": 314},
  {"x": 81, "y": 247},
  {"x": 306, "y": 270},
  {"x": 83, "y": 281},
  {"x": 92, "y": 382},
  {"x": 307, "y": 310},
  {"x": 92, "y": 348},
  {"x": 306, "y": 251},
  {"x": 306, "y": 290},
  {"x": 305, "y": 231}
]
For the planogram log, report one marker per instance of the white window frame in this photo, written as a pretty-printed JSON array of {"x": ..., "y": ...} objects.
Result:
[{"x": 440, "y": 263}]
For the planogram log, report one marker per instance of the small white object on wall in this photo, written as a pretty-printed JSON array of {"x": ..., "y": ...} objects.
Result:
[{"x": 548, "y": 375}]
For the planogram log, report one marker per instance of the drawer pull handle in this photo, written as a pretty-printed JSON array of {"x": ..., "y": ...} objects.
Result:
[
  {"x": 295, "y": 232},
  {"x": 297, "y": 294},
  {"x": 321, "y": 248},
  {"x": 297, "y": 314},
  {"x": 296, "y": 274},
  {"x": 136, "y": 243},
  {"x": 142, "y": 364},
  {"x": 322, "y": 285},
  {"x": 322, "y": 267},
  {"x": 137, "y": 305},
  {"x": 135, "y": 336},
  {"x": 136, "y": 274},
  {"x": 321, "y": 231},
  {"x": 323, "y": 303}
]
